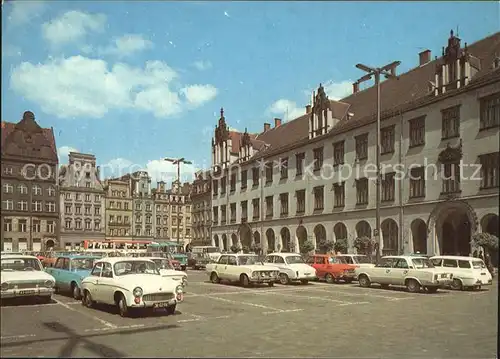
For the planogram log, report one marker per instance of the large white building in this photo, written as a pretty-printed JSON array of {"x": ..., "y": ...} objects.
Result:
[{"x": 441, "y": 116}]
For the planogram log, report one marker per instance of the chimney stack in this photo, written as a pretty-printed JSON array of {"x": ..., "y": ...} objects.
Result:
[
  {"x": 424, "y": 57},
  {"x": 277, "y": 122},
  {"x": 267, "y": 126},
  {"x": 355, "y": 87},
  {"x": 98, "y": 172},
  {"x": 308, "y": 109}
]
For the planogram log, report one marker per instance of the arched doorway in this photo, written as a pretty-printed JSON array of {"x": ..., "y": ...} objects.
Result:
[
  {"x": 301, "y": 234},
  {"x": 390, "y": 237},
  {"x": 225, "y": 247},
  {"x": 256, "y": 237},
  {"x": 363, "y": 229},
  {"x": 489, "y": 224},
  {"x": 245, "y": 236},
  {"x": 340, "y": 231},
  {"x": 271, "y": 241},
  {"x": 453, "y": 222},
  {"x": 419, "y": 236},
  {"x": 234, "y": 239},
  {"x": 49, "y": 245},
  {"x": 216, "y": 241},
  {"x": 286, "y": 239},
  {"x": 319, "y": 233}
]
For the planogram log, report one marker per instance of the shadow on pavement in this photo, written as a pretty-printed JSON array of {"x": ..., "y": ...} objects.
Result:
[
  {"x": 15, "y": 302},
  {"x": 75, "y": 339}
]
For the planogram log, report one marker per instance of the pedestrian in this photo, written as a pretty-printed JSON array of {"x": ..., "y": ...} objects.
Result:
[
  {"x": 474, "y": 254},
  {"x": 481, "y": 255}
]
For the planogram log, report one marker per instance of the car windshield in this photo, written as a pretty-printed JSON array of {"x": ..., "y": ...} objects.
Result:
[
  {"x": 248, "y": 260},
  {"x": 294, "y": 259},
  {"x": 361, "y": 259},
  {"x": 21, "y": 264},
  {"x": 478, "y": 265},
  {"x": 82, "y": 263},
  {"x": 420, "y": 263},
  {"x": 333, "y": 260},
  {"x": 162, "y": 263},
  {"x": 135, "y": 267}
]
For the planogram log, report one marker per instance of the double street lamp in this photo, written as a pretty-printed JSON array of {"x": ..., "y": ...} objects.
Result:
[
  {"x": 389, "y": 71},
  {"x": 178, "y": 161}
]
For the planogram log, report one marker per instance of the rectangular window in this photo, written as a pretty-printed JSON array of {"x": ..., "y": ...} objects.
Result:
[
  {"x": 255, "y": 208},
  {"x": 37, "y": 227},
  {"x": 283, "y": 204},
  {"x": 490, "y": 112},
  {"x": 283, "y": 168},
  {"x": 233, "y": 182},
  {"x": 361, "y": 146},
  {"x": 22, "y": 225},
  {"x": 215, "y": 215},
  {"x": 319, "y": 198},
  {"x": 339, "y": 195},
  {"x": 387, "y": 137},
  {"x": 338, "y": 153},
  {"x": 417, "y": 131},
  {"x": 269, "y": 172},
  {"x": 7, "y": 225},
  {"x": 51, "y": 227},
  {"x": 223, "y": 214},
  {"x": 318, "y": 158},
  {"x": 388, "y": 187},
  {"x": 223, "y": 186},
  {"x": 417, "y": 182},
  {"x": 450, "y": 118},
  {"x": 244, "y": 179},
  {"x": 490, "y": 164},
  {"x": 244, "y": 211},
  {"x": 451, "y": 179},
  {"x": 362, "y": 191},
  {"x": 255, "y": 177},
  {"x": 299, "y": 163},
  {"x": 301, "y": 200},
  {"x": 233, "y": 212},
  {"x": 36, "y": 206},
  {"x": 269, "y": 207},
  {"x": 215, "y": 188}
]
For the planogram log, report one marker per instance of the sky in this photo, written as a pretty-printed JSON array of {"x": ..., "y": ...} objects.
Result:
[{"x": 135, "y": 82}]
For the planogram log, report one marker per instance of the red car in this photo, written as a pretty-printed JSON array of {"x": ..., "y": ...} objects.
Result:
[{"x": 331, "y": 268}]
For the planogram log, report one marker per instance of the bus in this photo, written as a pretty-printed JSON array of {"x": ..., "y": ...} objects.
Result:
[
  {"x": 174, "y": 248},
  {"x": 212, "y": 251},
  {"x": 115, "y": 245}
]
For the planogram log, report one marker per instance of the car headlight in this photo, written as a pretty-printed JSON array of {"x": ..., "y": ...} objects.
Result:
[
  {"x": 48, "y": 283},
  {"x": 255, "y": 274},
  {"x": 178, "y": 289},
  {"x": 137, "y": 292},
  {"x": 5, "y": 285}
]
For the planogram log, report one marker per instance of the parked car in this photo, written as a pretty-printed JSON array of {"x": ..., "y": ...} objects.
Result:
[
  {"x": 23, "y": 276},
  {"x": 332, "y": 269},
  {"x": 69, "y": 271},
  {"x": 49, "y": 259},
  {"x": 292, "y": 267},
  {"x": 198, "y": 260},
  {"x": 468, "y": 272},
  {"x": 243, "y": 268},
  {"x": 359, "y": 260},
  {"x": 166, "y": 269},
  {"x": 130, "y": 283},
  {"x": 412, "y": 272}
]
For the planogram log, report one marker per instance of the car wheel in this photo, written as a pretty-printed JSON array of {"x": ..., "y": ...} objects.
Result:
[
  {"x": 304, "y": 281},
  {"x": 329, "y": 278},
  {"x": 122, "y": 306},
  {"x": 456, "y": 284},
  {"x": 284, "y": 279},
  {"x": 87, "y": 299},
  {"x": 75, "y": 291},
  {"x": 244, "y": 281},
  {"x": 432, "y": 289},
  {"x": 214, "y": 278},
  {"x": 413, "y": 286},
  {"x": 171, "y": 310},
  {"x": 364, "y": 281}
]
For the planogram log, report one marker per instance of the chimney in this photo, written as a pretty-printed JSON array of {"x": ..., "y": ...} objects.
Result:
[
  {"x": 355, "y": 87},
  {"x": 98, "y": 172},
  {"x": 277, "y": 122},
  {"x": 267, "y": 126},
  {"x": 424, "y": 57},
  {"x": 308, "y": 109}
]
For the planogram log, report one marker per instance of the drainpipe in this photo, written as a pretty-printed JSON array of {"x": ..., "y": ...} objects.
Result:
[{"x": 401, "y": 187}]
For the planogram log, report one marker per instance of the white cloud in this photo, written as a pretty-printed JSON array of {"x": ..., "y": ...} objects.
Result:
[
  {"x": 202, "y": 65},
  {"x": 64, "y": 151},
  {"x": 199, "y": 94},
  {"x": 72, "y": 26},
  {"x": 161, "y": 170},
  {"x": 9, "y": 50},
  {"x": 338, "y": 90},
  {"x": 23, "y": 12},
  {"x": 288, "y": 110},
  {"x": 127, "y": 45},
  {"x": 226, "y": 14},
  {"x": 78, "y": 86}
]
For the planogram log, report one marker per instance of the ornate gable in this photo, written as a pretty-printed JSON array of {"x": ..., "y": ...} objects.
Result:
[{"x": 221, "y": 130}]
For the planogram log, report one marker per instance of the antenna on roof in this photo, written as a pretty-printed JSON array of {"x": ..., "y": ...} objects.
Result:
[{"x": 457, "y": 32}]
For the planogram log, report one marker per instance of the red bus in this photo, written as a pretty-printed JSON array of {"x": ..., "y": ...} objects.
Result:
[{"x": 113, "y": 245}]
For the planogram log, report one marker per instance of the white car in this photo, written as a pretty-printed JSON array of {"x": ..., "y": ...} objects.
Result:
[
  {"x": 292, "y": 267},
  {"x": 23, "y": 276},
  {"x": 167, "y": 270},
  {"x": 360, "y": 260},
  {"x": 468, "y": 272},
  {"x": 243, "y": 268},
  {"x": 413, "y": 272},
  {"x": 130, "y": 283}
]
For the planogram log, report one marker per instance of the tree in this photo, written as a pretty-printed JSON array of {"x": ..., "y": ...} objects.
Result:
[
  {"x": 256, "y": 248},
  {"x": 341, "y": 245},
  {"x": 326, "y": 246},
  {"x": 364, "y": 245},
  {"x": 235, "y": 248},
  {"x": 306, "y": 247},
  {"x": 485, "y": 240}
]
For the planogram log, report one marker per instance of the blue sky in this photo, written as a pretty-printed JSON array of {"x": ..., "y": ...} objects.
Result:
[{"x": 132, "y": 82}]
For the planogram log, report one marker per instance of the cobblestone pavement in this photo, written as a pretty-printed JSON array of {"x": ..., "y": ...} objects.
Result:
[{"x": 314, "y": 320}]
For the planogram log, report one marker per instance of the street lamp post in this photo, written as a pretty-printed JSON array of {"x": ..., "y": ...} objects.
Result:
[
  {"x": 178, "y": 161},
  {"x": 389, "y": 72}
]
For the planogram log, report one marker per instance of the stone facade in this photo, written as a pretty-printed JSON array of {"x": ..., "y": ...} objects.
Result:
[
  {"x": 82, "y": 201},
  {"x": 201, "y": 198},
  {"x": 118, "y": 210},
  {"x": 313, "y": 178},
  {"x": 143, "y": 205},
  {"x": 30, "y": 206}
]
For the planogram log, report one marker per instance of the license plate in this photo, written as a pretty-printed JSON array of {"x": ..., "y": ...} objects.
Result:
[
  {"x": 443, "y": 275},
  {"x": 26, "y": 292},
  {"x": 483, "y": 273},
  {"x": 307, "y": 273},
  {"x": 161, "y": 305}
]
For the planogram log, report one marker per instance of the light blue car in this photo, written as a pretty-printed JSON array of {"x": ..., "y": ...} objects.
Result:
[{"x": 69, "y": 270}]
